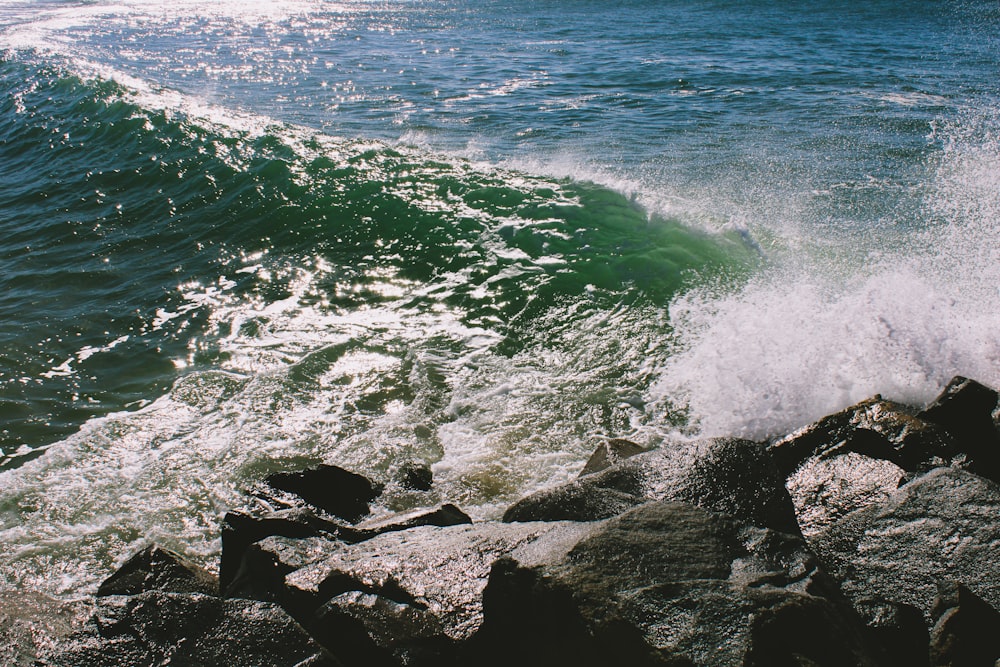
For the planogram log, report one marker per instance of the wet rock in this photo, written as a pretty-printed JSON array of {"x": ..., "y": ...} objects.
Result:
[
  {"x": 965, "y": 631},
  {"x": 240, "y": 531},
  {"x": 407, "y": 597},
  {"x": 415, "y": 476},
  {"x": 667, "y": 583},
  {"x": 965, "y": 409},
  {"x": 339, "y": 492},
  {"x": 156, "y": 568},
  {"x": 575, "y": 501},
  {"x": 942, "y": 525},
  {"x": 875, "y": 428},
  {"x": 726, "y": 475},
  {"x": 191, "y": 629},
  {"x": 825, "y": 489},
  {"x": 610, "y": 452}
]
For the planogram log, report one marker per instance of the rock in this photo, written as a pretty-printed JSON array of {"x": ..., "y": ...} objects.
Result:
[
  {"x": 825, "y": 489},
  {"x": 875, "y": 428},
  {"x": 156, "y": 568},
  {"x": 610, "y": 452},
  {"x": 667, "y": 584},
  {"x": 404, "y": 597},
  {"x": 942, "y": 525},
  {"x": 330, "y": 488},
  {"x": 574, "y": 501},
  {"x": 965, "y": 409},
  {"x": 416, "y": 476},
  {"x": 191, "y": 629},
  {"x": 724, "y": 474},
  {"x": 239, "y": 531},
  {"x": 966, "y": 630}
]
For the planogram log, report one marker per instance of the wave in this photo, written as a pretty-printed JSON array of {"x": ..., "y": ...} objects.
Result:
[
  {"x": 913, "y": 304},
  {"x": 192, "y": 303}
]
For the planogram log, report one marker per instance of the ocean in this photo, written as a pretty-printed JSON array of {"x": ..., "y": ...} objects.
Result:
[{"x": 247, "y": 236}]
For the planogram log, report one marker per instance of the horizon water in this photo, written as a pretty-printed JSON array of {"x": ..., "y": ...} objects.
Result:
[{"x": 253, "y": 236}]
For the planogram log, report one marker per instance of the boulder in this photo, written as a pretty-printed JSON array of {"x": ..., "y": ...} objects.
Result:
[
  {"x": 824, "y": 489},
  {"x": 191, "y": 629},
  {"x": 875, "y": 428},
  {"x": 726, "y": 475},
  {"x": 332, "y": 489},
  {"x": 942, "y": 525},
  {"x": 965, "y": 409},
  {"x": 156, "y": 568},
  {"x": 667, "y": 583},
  {"x": 404, "y": 597}
]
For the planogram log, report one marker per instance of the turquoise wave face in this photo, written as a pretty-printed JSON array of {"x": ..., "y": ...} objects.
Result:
[{"x": 128, "y": 226}]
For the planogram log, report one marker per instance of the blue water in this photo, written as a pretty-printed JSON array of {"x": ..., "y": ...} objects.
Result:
[{"x": 252, "y": 235}]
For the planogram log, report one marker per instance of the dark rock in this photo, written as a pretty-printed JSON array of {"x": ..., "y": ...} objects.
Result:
[
  {"x": 724, "y": 475},
  {"x": 572, "y": 502},
  {"x": 416, "y": 476},
  {"x": 942, "y": 525},
  {"x": 155, "y": 568},
  {"x": 667, "y": 584},
  {"x": 610, "y": 452},
  {"x": 875, "y": 428},
  {"x": 191, "y": 629},
  {"x": 824, "y": 489},
  {"x": 966, "y": 630},
  {"x": 403, "y": 597},
  {"x": 330, "y": 488},
  {"x": 239, "y": 531},
  {"x": 898, "y": 628},
  {"x": 965, "y": 409}
]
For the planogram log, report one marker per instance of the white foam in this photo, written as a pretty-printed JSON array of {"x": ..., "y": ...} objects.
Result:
[{"x": 809, "y": 336}]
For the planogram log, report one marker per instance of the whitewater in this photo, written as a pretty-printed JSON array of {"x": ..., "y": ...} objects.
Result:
[{"x": 257, "y": 236}]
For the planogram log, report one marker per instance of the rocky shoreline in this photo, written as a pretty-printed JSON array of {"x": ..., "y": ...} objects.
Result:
[{"x": 871, "y": 537}]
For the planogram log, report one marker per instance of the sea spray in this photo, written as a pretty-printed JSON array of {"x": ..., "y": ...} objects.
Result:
[{"x": 807, "y": 337}]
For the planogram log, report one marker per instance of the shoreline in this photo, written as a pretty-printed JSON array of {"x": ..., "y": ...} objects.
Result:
[{"x": 867, "y": 538}]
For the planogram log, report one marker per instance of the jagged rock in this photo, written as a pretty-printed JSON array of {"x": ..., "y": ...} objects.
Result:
[
  {"x": 156, "y": 568},
  {"x": 966, "y": 631},
  {"x": 723, "y": 474},
  {"x": 610, "y": 452},
  {"x": 942, "y": 525},
  {"x": 191, "y": 629},
  {"x": 825, "y": 489},
  {"x": 876, "y": 428},
  {"x": 239, "y": 531},
  {"x": 667, "y": 584},
  {"x": 330, "y": 488},
  {"x": 405, "y": 597},
  {"x": 965, "y": 409}
]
